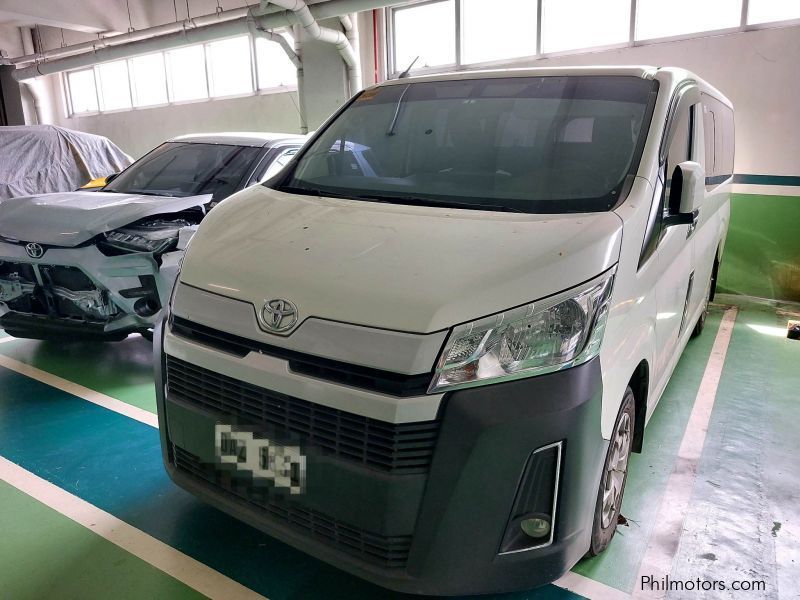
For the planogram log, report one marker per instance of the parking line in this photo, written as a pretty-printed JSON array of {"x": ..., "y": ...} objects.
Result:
[
  {"x": 185, "y": 569},
  {"x": 123, "y": 408},
  {"x": 589, "y": 588},
  {"x": 665, "y": 537}
]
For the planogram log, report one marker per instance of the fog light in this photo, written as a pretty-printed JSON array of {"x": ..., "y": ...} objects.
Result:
[{"x": 535, "y": 527}]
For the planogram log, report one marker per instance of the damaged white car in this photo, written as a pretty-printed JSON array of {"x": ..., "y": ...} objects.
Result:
[{"x": 100, "y": 265}]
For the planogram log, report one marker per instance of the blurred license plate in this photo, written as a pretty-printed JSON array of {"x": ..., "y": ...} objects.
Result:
[{"x": 263, "y": 459}]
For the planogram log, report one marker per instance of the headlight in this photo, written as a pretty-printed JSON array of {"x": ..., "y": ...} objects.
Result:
[
  {"x": 548, "y": 335},
  {"x": 150, "y": 236}
]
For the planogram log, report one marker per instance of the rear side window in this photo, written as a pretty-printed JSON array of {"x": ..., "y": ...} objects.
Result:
[{"x": 719, "y": 132}]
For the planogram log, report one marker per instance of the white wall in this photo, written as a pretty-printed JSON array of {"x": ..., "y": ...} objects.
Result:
[{"x": 759, "y": 71}]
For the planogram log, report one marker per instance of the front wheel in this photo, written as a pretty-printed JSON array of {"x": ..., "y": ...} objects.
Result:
[{"x": 615, "y": 475}]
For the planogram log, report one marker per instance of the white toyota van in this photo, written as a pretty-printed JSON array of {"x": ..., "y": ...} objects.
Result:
[{"x": 424, "y": 352}]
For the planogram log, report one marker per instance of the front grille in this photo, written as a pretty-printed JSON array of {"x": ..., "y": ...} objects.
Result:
[
  {"x": 391, "y": 552},
  {"x": 367, "y": 378},
  {"x": 398, "y": 448}
]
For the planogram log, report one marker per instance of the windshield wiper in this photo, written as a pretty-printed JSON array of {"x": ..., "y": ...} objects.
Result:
[
  {"x": 410, "y": 200},
  {"x": 151, "y": 193},
  {"x": 416, "y": 200}
]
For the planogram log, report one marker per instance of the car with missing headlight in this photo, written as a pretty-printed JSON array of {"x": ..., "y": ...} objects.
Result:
[
  {"x": 425, "y": 351},
  {"x": 100, "y": 264}
]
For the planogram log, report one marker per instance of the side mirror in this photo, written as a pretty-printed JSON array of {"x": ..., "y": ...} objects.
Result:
[{"x": 686, "y": 193}]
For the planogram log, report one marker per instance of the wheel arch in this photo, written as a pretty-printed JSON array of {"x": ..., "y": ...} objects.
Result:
[{"x": 640, "y": 385}]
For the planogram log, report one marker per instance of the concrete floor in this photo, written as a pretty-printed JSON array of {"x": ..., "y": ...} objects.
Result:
[{"x": 87, "y": 511}]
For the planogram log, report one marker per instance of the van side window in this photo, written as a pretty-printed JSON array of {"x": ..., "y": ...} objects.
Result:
[
  {"x": 719, "y": 133},
  {"x": 680, "y": 150},
  {"x": 709, "y": 129}
]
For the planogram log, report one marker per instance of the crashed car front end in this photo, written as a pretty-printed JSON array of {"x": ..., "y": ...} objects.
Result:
[{"x": 105, "y": 288}]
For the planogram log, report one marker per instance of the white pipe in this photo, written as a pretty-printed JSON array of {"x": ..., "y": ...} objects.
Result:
[
  {"x": 352, "y": 35},
  {"x": 33, "y": 85},
  {"x": 301, "y": 80},
  {"x": 133, "y": 36},
  {"x": 294, "y": 56},
  {"x": 258, "y": 31},
  {"x": 164, "y": 37},
  {"x": 324, "y": 34}
]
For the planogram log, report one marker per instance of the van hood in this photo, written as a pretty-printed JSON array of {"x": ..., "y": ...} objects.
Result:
[
  {"x": 70, "y": 218},
  {"x": 406, "y": 268}
]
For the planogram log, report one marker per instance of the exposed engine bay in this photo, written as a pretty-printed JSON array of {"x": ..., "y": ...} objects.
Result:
[
  {"x": 54, "y": 291},
  {"x": 67, "y": 292}
]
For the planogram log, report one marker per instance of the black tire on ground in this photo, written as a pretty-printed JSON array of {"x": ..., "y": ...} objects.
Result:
[
  {"x": 701, "y": 322},
  {"x": 619, "y": 448}
]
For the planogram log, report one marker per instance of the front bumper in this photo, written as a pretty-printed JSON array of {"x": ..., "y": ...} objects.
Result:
[
  {"x": 437, "y": 530},
  {"x": 125, "y": 279}
]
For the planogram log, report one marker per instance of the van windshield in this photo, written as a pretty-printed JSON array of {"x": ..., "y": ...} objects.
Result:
[{"x": 528, "y": 144}]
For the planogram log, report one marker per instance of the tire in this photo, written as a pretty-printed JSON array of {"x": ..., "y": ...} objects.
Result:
[
  {"x": 712, "y": 286},
  {"x": 701, "y": 322},
  {"x": 614, "y": 477}
]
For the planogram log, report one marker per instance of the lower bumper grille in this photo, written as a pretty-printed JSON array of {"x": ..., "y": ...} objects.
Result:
[
  {"x": 389, "y": 552},
  {"x": 398, "y": 448}
]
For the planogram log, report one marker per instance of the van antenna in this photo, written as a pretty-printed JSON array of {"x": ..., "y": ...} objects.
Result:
[{"x": 405, "y": 73}]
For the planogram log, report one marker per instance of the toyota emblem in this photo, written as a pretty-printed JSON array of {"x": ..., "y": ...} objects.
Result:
[
  {"x": 279, "y": 315},
  {"x": 34, "y": 250}
]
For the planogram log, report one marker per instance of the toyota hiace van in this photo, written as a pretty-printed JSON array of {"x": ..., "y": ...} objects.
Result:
[{"x": 424, "y": 352}]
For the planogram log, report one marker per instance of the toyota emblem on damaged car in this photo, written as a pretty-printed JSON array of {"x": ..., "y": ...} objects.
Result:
[
  {"x": 279, "y": 315},
  {"x": 34, "y": 250}
]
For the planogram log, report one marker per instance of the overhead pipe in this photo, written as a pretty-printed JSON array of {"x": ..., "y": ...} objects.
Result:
[
  {"x": 315, "y": 31},
  {"x": 257, "y": 31},
  {"x": 294, "y": 55},
  {"x": 34, "y": 86},
  {"x": 166, "y": 37},
  {"x": 131, "y": 36},
  {"x": 301, "y": 81}
]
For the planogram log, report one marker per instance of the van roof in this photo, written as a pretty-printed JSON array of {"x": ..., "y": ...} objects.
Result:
[
  {"x": 663, "y": 74},
  {"x": 643, "y": 71}
]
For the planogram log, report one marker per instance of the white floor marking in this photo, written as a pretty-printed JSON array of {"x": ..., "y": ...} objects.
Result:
[
  {"x": 193, "y": 573},
  {"x": 665, "y": 537},
  {"x": 7, "y": 338},
  {"x": 589, "y": 588},
  {"x": 123, "y": 408}
]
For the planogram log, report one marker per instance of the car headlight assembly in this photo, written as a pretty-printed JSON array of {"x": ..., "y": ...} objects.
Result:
[
  {"x": 548, "y": 335},
  {"x": 156, "y": 237}
]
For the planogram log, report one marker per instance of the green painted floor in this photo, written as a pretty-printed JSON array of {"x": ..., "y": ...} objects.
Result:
[
  {"x": 46, "y": 555},
  {"x": 743, "y": 522}
]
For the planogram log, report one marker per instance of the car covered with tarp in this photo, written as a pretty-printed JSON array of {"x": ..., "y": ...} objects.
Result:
[{"x": 40, "y": 159}]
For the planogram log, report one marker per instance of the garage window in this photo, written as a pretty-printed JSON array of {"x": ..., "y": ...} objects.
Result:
[
  {"x": 274, "y": 69},
  {"x": 114, "y": 85},
  {"x": 448, "y": 34},
  {"x": 82, "y": 91},
  {"x": 659, "y": 19},
  {"x": 230, "y": 68},
  {"x": 148, "y": 80},
  {"x": 426, "y": 31},
  {"x": 187, "y": 74},
  {"x": 600, "y": 24},
  {"x": 516, "y": 37},
  {"x": 770, "y": 11}
]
